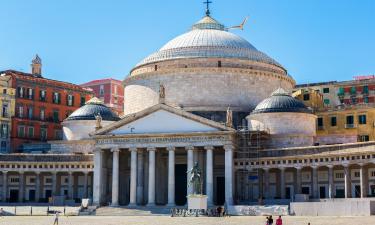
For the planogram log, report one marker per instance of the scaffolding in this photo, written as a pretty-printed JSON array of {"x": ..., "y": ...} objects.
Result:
[{"x": 250, "y": 143}]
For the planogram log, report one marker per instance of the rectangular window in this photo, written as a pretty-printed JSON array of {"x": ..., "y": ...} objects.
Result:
[
  {"x": 42, "y": 114},
  {"x": 5, "y": 110},
  {"x": 115, "y": 89},
  {"x": 349, "y": 121},
  {"x": 30, "y": 112},
  {"x": 43, "y": 95},
  {"x": 83, "y": 101},
  {"x": 4, "y": 91},
  {"x": 3, "y": 145},
  {"x": 70, "y": 100},
  {"x": 365, "y": 90},
  {"x": 341, "y": 91},
  {"x": 333, "y": 121},
  {"x": 325, "y": 90},
  {"x": 58, "y": 134},
  {"x": 101, "y": 89},
  {"x": 20, "y": 111},
  {"x": 56, "y": 116},
  {"x": 20, "y": 92},
  {"x": 21, "y": 131},
  {"x": 306, "y": 97},
  {"x": 43, "y": 134},
  {"x": 30, "y": 93},
  {"x": 362, "y": 119},
  {"x": 30, "y": 132},
  {"x": 353, "y": 90},
  {"x": 320, "y": 122},
  {"x": 326, "y": 101},
  {"x": 363, "y": 138},
  {"x": 365, "y": 99},
  {"x": 4, "y": 130},
  {"x": 56, "y": 97}
]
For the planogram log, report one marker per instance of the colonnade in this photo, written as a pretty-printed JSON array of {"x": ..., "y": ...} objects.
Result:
[{"x": 135, "y": 169}]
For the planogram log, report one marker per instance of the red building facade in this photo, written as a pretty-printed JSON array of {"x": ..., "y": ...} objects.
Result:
[
  {"x": 110, "y": 91},
  {"x": 41, "y": 105}
]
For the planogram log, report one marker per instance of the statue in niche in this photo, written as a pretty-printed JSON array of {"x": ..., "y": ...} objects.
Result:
[
  {"x": 229, "y": 122},
  {"x": 195, "y": 179},
  {"x": 98, "y": 119}
]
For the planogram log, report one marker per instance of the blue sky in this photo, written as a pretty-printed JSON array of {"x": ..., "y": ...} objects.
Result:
[{"x": 82, "y": 40}]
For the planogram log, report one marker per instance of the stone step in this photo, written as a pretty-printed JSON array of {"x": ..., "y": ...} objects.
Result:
[{"x": 134, "y": 211}]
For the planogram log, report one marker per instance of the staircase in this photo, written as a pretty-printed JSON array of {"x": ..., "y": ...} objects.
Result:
[{"x": 133, "y": 211}]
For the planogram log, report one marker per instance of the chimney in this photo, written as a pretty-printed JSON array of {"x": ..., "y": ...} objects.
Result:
[{"x": 36, "y": 66}]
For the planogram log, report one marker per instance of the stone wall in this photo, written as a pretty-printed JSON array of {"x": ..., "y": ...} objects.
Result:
[
  {"x": 204, "y": 87},
  {"x": 286, "y": 129}
]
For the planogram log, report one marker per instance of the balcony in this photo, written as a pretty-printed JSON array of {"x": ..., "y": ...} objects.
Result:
[{"x": 350, "y": 126}]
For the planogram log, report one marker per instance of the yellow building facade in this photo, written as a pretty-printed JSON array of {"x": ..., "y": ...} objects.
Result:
[
  {"x": 346, "y": 124},
  {"x": 7, "y": 110}
]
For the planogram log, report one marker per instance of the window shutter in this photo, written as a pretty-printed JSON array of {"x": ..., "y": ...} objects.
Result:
[
  {"x": 59, "y": 100},
  {"x": 67, "y": 100},
  {"x": 72, "y": 100}
]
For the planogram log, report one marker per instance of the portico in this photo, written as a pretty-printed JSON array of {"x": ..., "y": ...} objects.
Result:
[{"x": 149, "y": 169}]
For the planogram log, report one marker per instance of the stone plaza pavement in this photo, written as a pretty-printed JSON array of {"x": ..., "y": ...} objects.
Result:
[{"x": 165, "y": 220}]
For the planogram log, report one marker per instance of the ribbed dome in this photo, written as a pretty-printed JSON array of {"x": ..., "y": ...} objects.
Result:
[
  {"x": 91, "y": 109},
  {"x": 208, "y": 39},
  {"x": 281, "y": 101}
]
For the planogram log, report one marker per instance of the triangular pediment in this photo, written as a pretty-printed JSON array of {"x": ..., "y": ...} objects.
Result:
[{"x": 161, "y": 118}]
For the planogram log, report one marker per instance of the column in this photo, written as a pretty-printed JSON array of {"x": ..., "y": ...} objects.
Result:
[
  {"x": 98, "y": 177},
  {"x": 209, "y": 175},
  {"x": 21, "y": 193},
  {"x": 330, "y": 181},
  {"x": 71, "y": 185},
  {"x": 171, "y": 176},
  {"x": 315, "y": 191},
  {"x": 54, "y": 183},
  {"x": 298, "y": 180},
  {"x": 5, "y": 186},
  {"x": 347, "y": 181},
  {"x": 140, "y": 177},
  {"x": 190, "y": 164},
  {"x": 151, "y": 176},
  {"x": 362, "y": 174},
  {"x": 115, "y": 175},
  {"x": 37, "y": 186},
  {"x": 133, "y": 177},
  {"x": 266, "y": 181},
  {"x": 85, "y": 183},
  {"x": 282, "y": 182},
  {"x": 228, "y": 174}
]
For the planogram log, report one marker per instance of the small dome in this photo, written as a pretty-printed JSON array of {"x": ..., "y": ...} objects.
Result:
[
  {"x": 91, "y": 109},
  {"x": 281, "y": 101}
]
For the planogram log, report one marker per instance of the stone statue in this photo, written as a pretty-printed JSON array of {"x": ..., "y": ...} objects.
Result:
[
  {"x": 161, "y": 93},
  {"x": 229, "y": 122},
  {"x": 195, "y": 179},
  {"x": 98, "y": 121}
]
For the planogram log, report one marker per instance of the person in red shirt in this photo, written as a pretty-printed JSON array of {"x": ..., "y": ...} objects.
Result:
[{"x": 279, "y": 221}]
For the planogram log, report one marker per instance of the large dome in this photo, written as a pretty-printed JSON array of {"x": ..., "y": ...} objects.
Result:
[{"x": 208, "y": 39}]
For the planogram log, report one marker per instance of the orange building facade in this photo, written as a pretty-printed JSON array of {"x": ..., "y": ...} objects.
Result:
[{"x": 40, "y": 107}]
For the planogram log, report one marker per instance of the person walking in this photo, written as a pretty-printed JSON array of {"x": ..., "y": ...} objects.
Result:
[
  {"x": 267, "y": 220},
  {"x": 279, "y": 221},
  {"x": 270, "y": 220},
  {"x": 56, "y": 222}
]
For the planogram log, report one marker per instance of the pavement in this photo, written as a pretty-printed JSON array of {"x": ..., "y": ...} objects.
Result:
[{"x": 166, "y": 220}]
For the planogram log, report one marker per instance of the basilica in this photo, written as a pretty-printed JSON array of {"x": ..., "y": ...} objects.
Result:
[{"x": 209, "y": 97}]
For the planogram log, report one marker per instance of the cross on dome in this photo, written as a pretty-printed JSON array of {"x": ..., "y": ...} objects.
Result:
[{"x": 207, "y": 2}]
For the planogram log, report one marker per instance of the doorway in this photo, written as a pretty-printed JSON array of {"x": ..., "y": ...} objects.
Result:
[
  {"x": 31, "y": 195},
  {"x": 220, "y": 190},
  {"x": 13, "y": 195},
  {"x": 322, "y": 192},
  {"x": 180, "y": 184},
  {"x": 357, "y": 189}
]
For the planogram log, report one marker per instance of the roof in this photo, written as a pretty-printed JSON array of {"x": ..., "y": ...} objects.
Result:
[
  {"x": 280, "y": 101},
  {"x": 100, "y": 81},
  {"x": 135, "y": 116},
  {"x": 91, "y": 109},
  {"x": 208, "y": 39}
]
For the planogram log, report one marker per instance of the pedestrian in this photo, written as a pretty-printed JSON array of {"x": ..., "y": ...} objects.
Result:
[
  {"x": 279, "y": 221},
  {"x": 56, "y": 222},
  {"x": 1, "y": 212},
  {"x": 267, "y": 220},
  {"x": 270, "y": 220}
]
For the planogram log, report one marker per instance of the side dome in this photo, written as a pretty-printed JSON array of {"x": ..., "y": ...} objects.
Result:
[
  {"x": 92, "y": 108},
  {"x": 280, "y": 101},
  {"x": 208, "y": 39}
]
